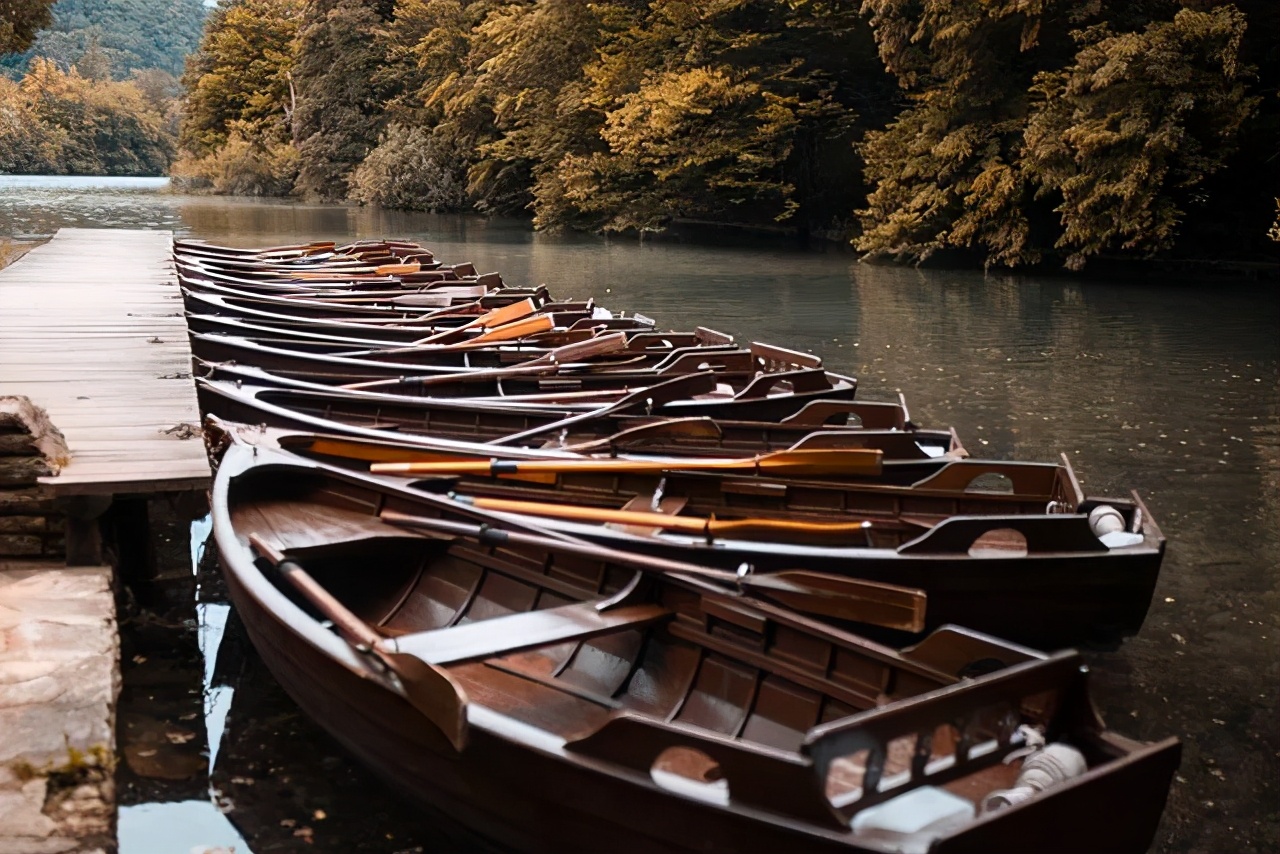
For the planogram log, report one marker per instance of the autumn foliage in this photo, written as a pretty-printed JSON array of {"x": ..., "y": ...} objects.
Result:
[{"x": 1015, "y": 131}]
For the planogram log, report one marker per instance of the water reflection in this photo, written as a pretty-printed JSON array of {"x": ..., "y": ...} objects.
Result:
[
  {"x": 216, "y": 757},
  {"x": 1169, "y": 389},
  {"x": 176, "y": 827}
]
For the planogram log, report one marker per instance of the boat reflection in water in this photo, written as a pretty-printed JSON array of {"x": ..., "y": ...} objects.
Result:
[{"x": 216, "y": 757}]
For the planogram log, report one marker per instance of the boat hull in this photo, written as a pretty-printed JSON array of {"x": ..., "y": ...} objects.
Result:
[{"x": 535, "y": 800}]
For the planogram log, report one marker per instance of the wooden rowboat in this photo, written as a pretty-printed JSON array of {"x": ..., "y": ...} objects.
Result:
[
  {"x": 555, "y": 698},
  {"x": 298, "y": 403},
  {"x": 973, "y": 534},
  {"x": 640, "y": 426}
]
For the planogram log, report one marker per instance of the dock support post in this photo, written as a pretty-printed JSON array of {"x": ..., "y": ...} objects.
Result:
[{"x": 84, "y": 533}]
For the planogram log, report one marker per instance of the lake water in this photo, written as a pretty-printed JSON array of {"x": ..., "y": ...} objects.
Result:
[{"x": 1172, "y": 389}]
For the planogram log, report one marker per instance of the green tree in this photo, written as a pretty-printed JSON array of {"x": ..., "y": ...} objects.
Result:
[{"x": 130, "y": 34}]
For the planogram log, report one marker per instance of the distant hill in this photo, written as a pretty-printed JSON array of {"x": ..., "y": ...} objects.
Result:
[{"x": 117, "y": 36}]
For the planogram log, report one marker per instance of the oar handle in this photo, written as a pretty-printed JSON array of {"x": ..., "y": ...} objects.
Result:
[
  {"x": 818, "y": 463},
  {"x": 488, "y": 535},
  {"x": 353, "y": 629}
]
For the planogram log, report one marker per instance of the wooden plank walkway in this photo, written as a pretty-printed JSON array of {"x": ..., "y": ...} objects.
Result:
[{"x": 91, "y": 330}]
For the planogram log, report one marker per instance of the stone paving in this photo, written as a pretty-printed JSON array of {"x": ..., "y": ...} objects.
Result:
[{"x": 59, "y": 679}]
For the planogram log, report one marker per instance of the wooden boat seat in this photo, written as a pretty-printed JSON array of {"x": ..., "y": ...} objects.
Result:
[{"x": 502, "y": 635}]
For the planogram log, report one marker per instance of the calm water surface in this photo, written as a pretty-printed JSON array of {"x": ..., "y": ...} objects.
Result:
[{"x": 1172, "y": 390}]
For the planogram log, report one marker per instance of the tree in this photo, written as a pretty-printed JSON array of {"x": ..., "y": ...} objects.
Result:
[
  {"x": 27, "y": 145},
  {"x": 709, "y": 110},
  {"x": 96, "y": 127},
  {"x": 238, "y": 130},
  {"x": 1135, "y": 124},
  {"x": 339, "y": 113},
  {"x": 1064, "y": 127},
  {"x": 241, "y": 75},
  {"x": 421, "y": 159},
  {"x": 20, "y": 20},
  {"x": 944, "y": 171},
  {"x": 130, "y": 34},
  {"x": 531, "y": 82},
  {"x": 410, "y": 169}
]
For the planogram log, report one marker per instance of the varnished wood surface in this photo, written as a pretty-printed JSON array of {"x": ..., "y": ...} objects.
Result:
[{"x": 91, "y": 330}]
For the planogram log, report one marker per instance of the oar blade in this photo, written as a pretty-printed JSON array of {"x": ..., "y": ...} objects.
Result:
[
  {"x": 516, "y": 329},
  {"x": 428, "y": 688},
  {"x": 433, "y": 692},
  {"x": 598, "y": 345},
  {"x": 427, "y": 464}
]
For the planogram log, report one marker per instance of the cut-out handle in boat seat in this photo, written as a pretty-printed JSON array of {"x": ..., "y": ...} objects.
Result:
[
  {"x": 1058, "y": 533},
  {"x": 1062, "y": 674},
  {"x": 774, "y": 358},
  {"x": 1039, "y": 481},
  {"x": 800, "y": 381},
  {"x": 664, "y": 342},
  {"x": 873, "y": 416},
  {"x": 515, "y": 632},
  {"x": 722, "y": 360},
  {"x": 776, "y": 780}
]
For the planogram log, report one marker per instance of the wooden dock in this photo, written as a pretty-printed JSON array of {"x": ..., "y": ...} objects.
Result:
[{"x": 92, "y": 331}]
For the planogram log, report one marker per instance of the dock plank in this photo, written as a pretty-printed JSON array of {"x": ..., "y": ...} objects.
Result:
[{"x": 91, "y": 329}]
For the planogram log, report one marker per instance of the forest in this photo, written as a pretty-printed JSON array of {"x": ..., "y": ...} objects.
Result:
[
  {"x": 91, "y": 87},
  {"x": 1002, "y": 132}
]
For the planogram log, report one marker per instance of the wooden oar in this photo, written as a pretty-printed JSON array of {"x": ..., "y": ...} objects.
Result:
[
  {"x": 710, "y": 527},
  {"x": 397, "y": 269},
  {"x": 857, "y": 461},
  {"x": 835, "y": 596},
  {"x": 549, "y": 362},
  {"x": 490, "y": 319},
  {"x": 429, "y": 689}
]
